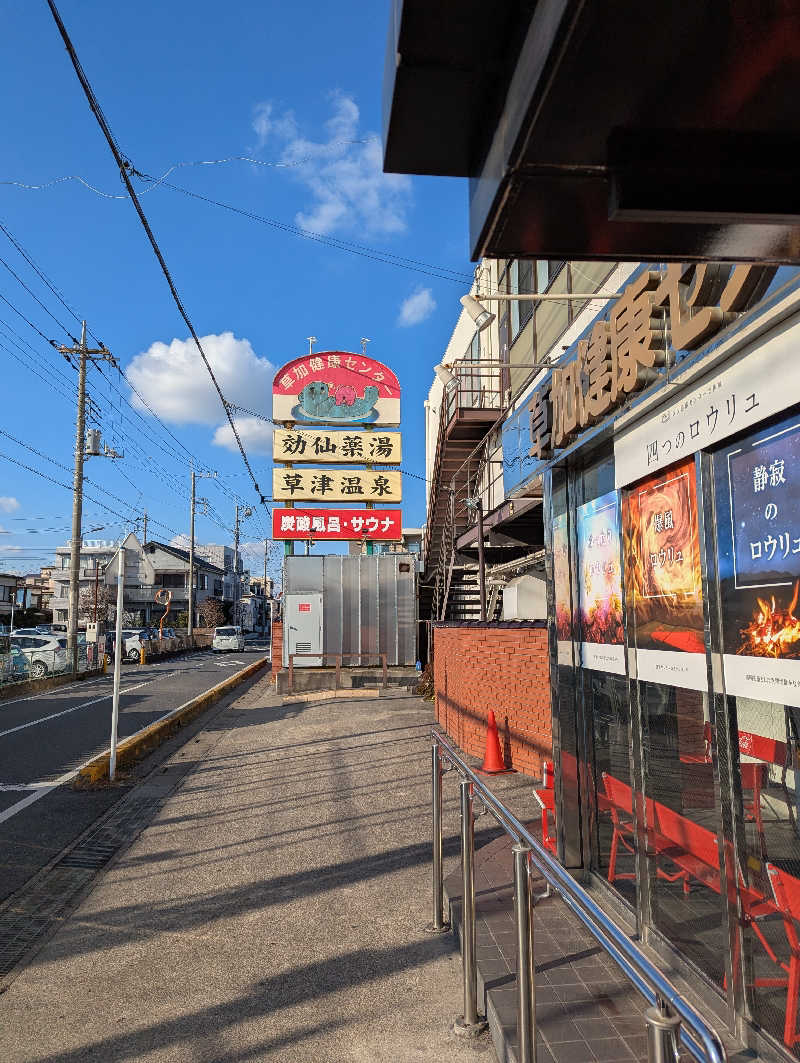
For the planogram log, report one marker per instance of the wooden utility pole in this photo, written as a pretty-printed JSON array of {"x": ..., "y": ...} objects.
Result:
[{"x": 84, "y": 354}]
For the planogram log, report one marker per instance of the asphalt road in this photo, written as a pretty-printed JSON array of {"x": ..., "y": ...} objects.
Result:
[{"x": 45, "y": 738}]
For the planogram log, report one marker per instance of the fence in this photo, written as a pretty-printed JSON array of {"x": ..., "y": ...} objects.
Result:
[{"x": 669, "y": 1020}]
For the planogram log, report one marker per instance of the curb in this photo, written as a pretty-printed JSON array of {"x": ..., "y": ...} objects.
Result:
[
  {"x": 342, "y": 694},
  {"x": 137, "y": 745}
]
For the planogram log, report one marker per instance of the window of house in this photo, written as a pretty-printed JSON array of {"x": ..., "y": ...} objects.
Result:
[
  {"x": 202, "y": 581},
  {"x": 173, "y": 579},
  {"x": 520, "y": 274}
]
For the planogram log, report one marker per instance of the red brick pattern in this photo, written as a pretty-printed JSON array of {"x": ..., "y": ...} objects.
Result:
[
  {"x": 277, "y": 647},
  {"x": 482, "y": 667}
]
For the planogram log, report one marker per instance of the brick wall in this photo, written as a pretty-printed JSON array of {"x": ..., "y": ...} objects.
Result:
[
  {"x": 277, "y": 646},
  {"x": 504, "y": 667}
]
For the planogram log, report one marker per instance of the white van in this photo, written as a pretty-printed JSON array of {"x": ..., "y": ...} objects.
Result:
[{"x": 228, "y": 638}]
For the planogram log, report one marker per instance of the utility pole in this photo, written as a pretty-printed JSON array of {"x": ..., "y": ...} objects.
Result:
[
  {"x": 144, "y": 530},
  {"x": 190, "y": 626},
  {"x": 264, "y": 607},
  {"x": 84, "y": 354},
  {"x": 236, "y": 566}
]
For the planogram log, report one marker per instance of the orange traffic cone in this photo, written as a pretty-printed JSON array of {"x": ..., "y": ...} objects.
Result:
[{"x": 493, "y": 759}]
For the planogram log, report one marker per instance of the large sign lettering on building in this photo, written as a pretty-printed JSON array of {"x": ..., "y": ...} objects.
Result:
[
  {"x": 337, "y": 485},
  {"x": 337, "y": 388},
  {"x": 654, "y": 317},
  {"x": 380, "y": 525},
  {"x": 324, "y": 445}
]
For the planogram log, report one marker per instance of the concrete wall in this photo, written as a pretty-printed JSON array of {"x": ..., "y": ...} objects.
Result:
[{"x": 499, "y": 666}]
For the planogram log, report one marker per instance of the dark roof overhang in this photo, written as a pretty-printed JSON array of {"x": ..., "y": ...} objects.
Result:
[{"x": 604, "y": 129}]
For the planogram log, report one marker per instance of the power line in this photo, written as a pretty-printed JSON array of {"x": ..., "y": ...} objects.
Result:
[
  {"x": 36, "y": 299},
  {"x": 388, "y": 258},
  {"x": 124, "y": 167}
]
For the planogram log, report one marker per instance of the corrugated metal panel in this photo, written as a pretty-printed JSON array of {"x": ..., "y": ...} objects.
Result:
[
  {"x": 332, "y": 598},
  {"x": 370, "y": 640},
  {"x": 369, "y": 603}
]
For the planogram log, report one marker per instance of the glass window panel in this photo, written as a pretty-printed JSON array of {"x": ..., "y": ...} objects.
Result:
[
  {"x": 756, "y": 488},
  {"x": 552, "y": 317}
]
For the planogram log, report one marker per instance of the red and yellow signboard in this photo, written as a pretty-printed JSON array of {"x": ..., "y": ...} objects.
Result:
[{"x": 337, "y": 388}]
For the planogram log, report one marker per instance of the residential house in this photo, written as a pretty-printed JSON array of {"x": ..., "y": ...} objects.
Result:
[{"x": 8, "y": 588}]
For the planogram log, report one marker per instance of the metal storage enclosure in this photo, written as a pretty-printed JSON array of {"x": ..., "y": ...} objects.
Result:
[{"x": 369, "y": 604}]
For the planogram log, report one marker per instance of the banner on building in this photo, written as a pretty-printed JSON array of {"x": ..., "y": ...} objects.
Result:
[
  {"x": 600, "y": 584},
  {"x": 741, "y": 395},
  {"x": 337, "y": 485},
  {"x": 323, "y": 445},
  {"x": 338, "y": 388},
  {"x": 758, "y": 531},
  {"x": 663, "y": 581},
  {"x": 374, "y": 525}
]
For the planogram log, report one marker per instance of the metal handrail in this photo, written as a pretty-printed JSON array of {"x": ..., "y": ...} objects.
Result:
[{"x": 697, "y": 1035}]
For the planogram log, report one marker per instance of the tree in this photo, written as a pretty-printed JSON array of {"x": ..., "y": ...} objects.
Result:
[
  {"x": 106, "y": 603},
  {"x": 212, "y": 612}
]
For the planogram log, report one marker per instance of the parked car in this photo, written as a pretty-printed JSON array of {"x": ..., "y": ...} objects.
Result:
[
  {"x": 13, "y": 662},
  {"x": 132, "y": 640},
  {"x": 29, "y": 631},
  {"x": 83, "y": 656},
  {"x": 227, "y": 638},
  {"x": 44, "y": 653}
]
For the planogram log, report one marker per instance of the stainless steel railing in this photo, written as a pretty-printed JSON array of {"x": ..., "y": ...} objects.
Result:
[{"x": 670, "y": 1020}]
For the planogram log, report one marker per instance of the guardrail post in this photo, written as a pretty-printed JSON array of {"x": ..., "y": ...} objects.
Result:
[
  {"x": 470, "y": 1023},
  {"x": 526, "y": 979},
  {"x": 338, "y": 669},
  {"x": 291, "y": 673},
  {"x": 439, "y": 924},
  {"x": 662, "y": 1036},
  {"x": 385, "y": 672}
]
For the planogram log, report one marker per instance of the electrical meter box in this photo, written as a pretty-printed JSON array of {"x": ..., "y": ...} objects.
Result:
[{"x": 302, "y": 625}]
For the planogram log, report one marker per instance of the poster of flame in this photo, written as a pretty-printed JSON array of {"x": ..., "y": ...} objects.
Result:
[
  {"x": 757, "y": 494},
  {"x": 662, "y": 557}
]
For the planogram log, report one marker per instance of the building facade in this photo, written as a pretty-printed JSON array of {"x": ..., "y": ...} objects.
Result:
[
  {"x": 645, "y": 477},
  {"x": 8, "y": 589},
  {"x": 149, "y": 568}
]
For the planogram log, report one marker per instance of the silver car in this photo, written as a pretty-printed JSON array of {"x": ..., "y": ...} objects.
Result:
[
  {"x": 227, "y": 638},
  {"x": 45, "y": 654}
]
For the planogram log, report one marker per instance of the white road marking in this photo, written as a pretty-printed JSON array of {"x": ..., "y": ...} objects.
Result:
[
  {"x": 42, "y": 791},
  {"x": 57, "y": 691},
  {"x": 13, "y": 787},
  {"x": 45, "y": 788},
  {"x": 83, "y": 705}
]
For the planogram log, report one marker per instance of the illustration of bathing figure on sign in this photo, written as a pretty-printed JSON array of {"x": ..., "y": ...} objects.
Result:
[{"x": 331, "y": 402}]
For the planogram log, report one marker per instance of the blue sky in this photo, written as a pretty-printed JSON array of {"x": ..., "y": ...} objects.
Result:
[{"x": 297, "y": 85}]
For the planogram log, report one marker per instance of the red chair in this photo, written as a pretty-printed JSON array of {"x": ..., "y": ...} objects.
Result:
[
  {"x": 786, "y": 890},
  {"x": 546, "y": 801},
  {"x": 754, "y": 777},
  {"x": 620, "y": 805}
]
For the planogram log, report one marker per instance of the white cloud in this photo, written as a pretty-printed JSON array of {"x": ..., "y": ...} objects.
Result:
[
  {"x": 343, "y": 171},
  {"x": 176, "y": 384},
  {"x": 8, "y": 504},
  {"x": 417, "y": 308},
  {"x": 256, "y": 435}
]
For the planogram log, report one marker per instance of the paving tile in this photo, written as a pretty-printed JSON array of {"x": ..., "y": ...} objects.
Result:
[
  {"x": 558, "y": 1030},
  {"x": 606, "y": 1049},
  {"x": 571, "y": 1052},
  {"x": 592, "y": 1028}
]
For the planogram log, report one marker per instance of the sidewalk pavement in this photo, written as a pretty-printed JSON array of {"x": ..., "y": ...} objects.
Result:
[{"x": 273, "y": 908}]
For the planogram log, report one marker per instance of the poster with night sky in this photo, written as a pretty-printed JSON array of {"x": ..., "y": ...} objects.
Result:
[
  {"x": 600, "y": 584},
  {"x": 757, "y": 488}
]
